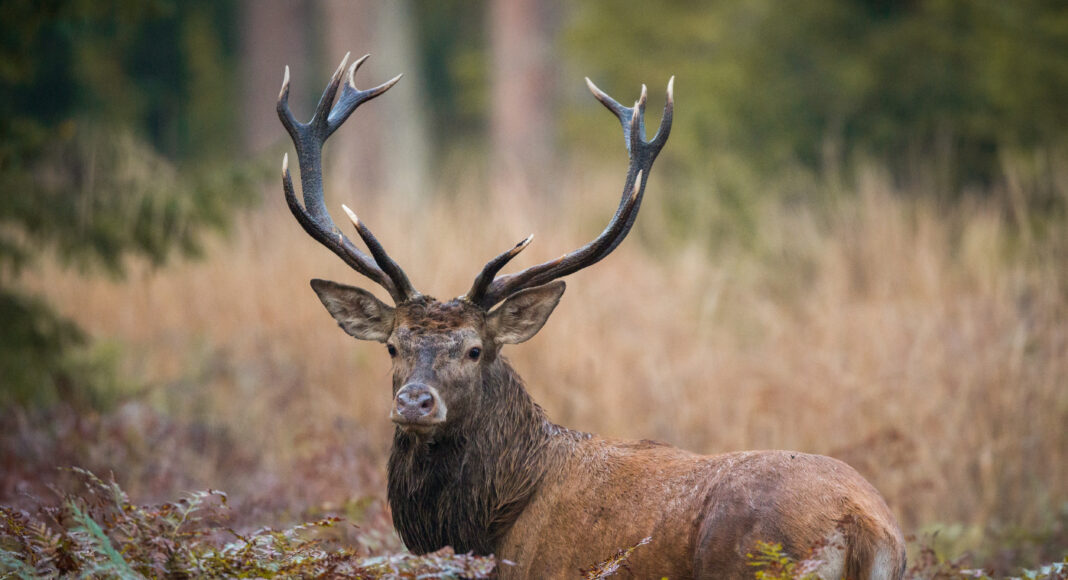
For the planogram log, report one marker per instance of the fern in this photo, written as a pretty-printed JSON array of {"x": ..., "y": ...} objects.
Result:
[
  {"x": 100, "y": 533},
  {"x": 772, "y": 563},
  {"x": 94, "y": 544}
]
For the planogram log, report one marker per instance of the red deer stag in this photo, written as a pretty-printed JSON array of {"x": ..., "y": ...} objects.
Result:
[{"x": 478, "y": 466}]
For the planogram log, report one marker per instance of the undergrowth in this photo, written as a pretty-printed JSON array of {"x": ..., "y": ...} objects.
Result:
[
  {"x": 771, "y": 562},
  {"x": 100, "y": 533}
]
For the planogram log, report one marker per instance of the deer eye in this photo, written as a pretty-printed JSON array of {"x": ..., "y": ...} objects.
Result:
[
  {"x": 392, "y": 350},
  {"x": 474, "y": 353}
]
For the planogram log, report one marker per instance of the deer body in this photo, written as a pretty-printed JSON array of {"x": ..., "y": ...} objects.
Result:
[
  {"x": 478, "y": 466},
  {"x": 505, "y": 480},
  {"x": 703, "y": 514}
]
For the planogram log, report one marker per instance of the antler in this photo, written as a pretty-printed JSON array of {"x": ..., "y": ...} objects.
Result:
[
  {"x": 313, "y": 217},
  {"x": 488, "y": 290}
]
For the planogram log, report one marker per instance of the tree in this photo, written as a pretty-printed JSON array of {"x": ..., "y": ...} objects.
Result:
[
  {"x": 523, "y": 85},
  {"x": 115, "y": 128},
  {"x": 389, "y": 151},
  {"x": 943, "y": 86}
]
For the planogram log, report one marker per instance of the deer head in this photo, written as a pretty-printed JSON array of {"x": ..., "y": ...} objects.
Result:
[{"x": 441, "y": 351}]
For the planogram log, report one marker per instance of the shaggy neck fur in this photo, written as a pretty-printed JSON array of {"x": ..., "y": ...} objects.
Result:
[{"x": 465, "y": 487}]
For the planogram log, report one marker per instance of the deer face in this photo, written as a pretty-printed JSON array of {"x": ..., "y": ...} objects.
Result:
[{"x": 440, "y": 350}]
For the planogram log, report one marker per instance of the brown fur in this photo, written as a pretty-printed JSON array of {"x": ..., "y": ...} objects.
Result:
[
  {"x": 501, "y": 478},
  {"x": 497, "y": 477}
]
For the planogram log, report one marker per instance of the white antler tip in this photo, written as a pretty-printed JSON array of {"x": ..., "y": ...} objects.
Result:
[
  {"x": 341, "y": 67},
  {"x": 671, "y": 89},
  {"x": 520, "y": 246},
  {"x": 594, "y": 89},
  {"x": 285, "y": 84},
  {"x": 352, "y": 215},
  {"x": 355, "y": 67},
  {"x": 645, "y": 93}
]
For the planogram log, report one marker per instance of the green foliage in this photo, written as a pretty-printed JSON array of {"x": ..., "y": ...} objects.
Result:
[
  {"x": 105, "y": 193},
  {"x": 42, "y": 338},
  {"x": 102, "y": 534},
  {"x": 92, "y": 536},
  {"x": 772, "y": 563},
  {"x": 114, "y": 141},
  {"x": 454, "y": 65},
  {"x": 117, "y": 126},
  {"x": 942, "y": 86}
]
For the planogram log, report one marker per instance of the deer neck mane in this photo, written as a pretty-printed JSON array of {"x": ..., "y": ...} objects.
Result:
[{"x": 466, "y": 487}]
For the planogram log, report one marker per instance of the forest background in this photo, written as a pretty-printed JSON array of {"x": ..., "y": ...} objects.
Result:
[{"x": 854, "y": 244}]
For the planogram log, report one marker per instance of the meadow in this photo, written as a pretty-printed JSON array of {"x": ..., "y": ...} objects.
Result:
[{"x": 923, "y": 341}]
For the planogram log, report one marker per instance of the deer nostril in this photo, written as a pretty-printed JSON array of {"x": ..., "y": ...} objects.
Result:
[{"x": 415, "y": 401}]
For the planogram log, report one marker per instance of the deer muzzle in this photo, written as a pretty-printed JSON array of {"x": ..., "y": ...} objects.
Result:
[{"x": 417, "y": 406}]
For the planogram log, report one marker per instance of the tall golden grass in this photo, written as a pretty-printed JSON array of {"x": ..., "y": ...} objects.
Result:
[{"x": 926, "y": 345}]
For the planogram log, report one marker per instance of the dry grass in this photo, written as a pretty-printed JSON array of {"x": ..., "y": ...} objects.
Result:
[{"x": 926, "y": 346}]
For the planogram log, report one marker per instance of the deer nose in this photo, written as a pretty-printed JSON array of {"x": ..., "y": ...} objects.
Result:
[{"x": 415, "y": 401}]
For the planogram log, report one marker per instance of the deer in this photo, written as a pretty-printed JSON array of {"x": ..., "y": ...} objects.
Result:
[{"x": 477, "y": 465}]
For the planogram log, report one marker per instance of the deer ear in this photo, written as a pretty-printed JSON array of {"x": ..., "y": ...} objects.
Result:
[
  {"x": 524, "y": 313},
  {"x": 356, "y": 310}
]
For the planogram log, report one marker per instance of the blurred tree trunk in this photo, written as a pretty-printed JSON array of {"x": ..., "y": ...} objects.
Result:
[
  {"x": 385, "y": 146},
  {"x": 523, "y": 83},
  {"x": 273, "y": 36}
]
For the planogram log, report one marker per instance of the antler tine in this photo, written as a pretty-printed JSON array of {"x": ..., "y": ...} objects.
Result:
[
  {"x": 387, "y": 264},
  {"x": 488, "y": 291},
  {"x": 288, "y": 121},
  {"x": 591, "y": 253},
  {"x": 351, "y": 97},
  {"x": 312, "y": 215},
  {"x": 339, "y": 244},
  {"x": 482, "y": 281}
]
